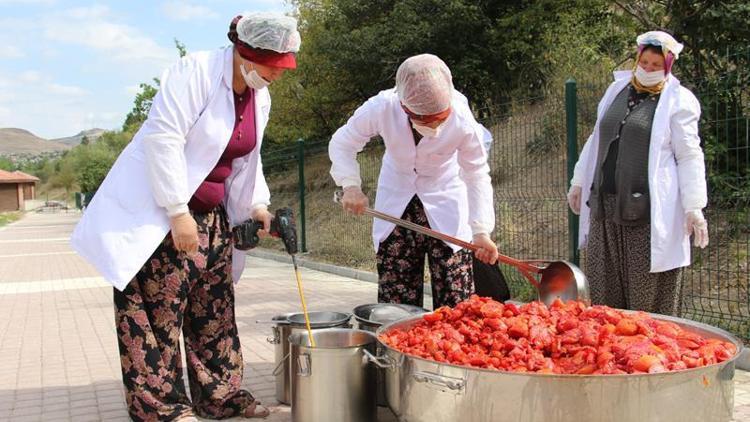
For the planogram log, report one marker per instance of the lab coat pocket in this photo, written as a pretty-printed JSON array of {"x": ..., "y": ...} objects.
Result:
[{"x": 131, "y": 185}]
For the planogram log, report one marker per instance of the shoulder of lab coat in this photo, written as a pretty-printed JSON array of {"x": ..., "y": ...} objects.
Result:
[
  {"x": 184, "y": 92},
  {"x": 474, "y": 169},
  {"x": 351, "y": 138},
  {"x": 685, "y": 142}
]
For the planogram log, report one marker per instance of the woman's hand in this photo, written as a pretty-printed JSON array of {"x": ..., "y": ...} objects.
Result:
[
  {"x": 574, "y": 199},
  {"x": 354, "y": 201},
  {"x": 261, "y": 214},
  {"x": 184, "y": 233},
  {"x": 696, "y": 225},
  {"x": 487, "y": 252}
]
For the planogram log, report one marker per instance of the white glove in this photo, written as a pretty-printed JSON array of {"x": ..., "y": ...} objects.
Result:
[
  {"x": 696, "y": 225},
  {"x": 574, "y": 199}
]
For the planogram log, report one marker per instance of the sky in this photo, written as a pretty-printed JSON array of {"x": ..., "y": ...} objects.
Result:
[{"x": 68, "y": 65}]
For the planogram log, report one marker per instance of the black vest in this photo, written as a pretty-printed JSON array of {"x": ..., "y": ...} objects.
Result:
[{"x": 632, "y": 131}]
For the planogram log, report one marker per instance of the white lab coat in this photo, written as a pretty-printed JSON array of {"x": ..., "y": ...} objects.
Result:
[
  {"x": 676, "y": 171},
  {"x": 449, "y": 173},
  {"x": 188, "y": 128}
]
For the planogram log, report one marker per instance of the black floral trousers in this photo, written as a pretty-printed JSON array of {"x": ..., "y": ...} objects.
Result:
[
  {"x": 194, "y": 295},
  {"x": 401, "y": 259}
]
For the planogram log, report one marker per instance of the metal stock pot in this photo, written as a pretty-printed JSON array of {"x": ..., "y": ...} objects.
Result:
[
  {"x": 284, "y": 326},
  {"x": 334, "y": 380},
  {"x": 420, "y": 390},
  {"x": 372, "y": 316}
]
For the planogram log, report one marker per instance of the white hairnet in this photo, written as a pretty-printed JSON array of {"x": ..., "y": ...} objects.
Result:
[
  {"x": 424, "y": 84},
  {"x": 269, "y": 31},
  {"x": 661, "y": 39}
]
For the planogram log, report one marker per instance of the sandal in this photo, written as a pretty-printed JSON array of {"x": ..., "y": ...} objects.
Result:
[{"x": 255, "y": 410}]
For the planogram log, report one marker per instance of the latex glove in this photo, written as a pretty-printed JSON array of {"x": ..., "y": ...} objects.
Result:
[
  {"x": 487, "y": 252},
  {"x": 261, "y": 214},
  {"x": 574, "y": 199},
  {"x": 696, "y": 225},
  {"x": 354, "y": 201},
  {"x": 184, "y": 233}
]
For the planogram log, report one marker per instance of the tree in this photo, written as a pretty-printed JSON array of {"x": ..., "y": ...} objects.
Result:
[
  {"x": 6, "y": 164},
  {"x": 181, "y": 49},
  {"x": 141, "y": 106},
  {"x": 351, "y": 50},
  {"x": 144, "y": 98}
]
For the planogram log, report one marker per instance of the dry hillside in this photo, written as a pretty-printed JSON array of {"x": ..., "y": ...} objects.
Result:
[{"x": 19, "y": 141}]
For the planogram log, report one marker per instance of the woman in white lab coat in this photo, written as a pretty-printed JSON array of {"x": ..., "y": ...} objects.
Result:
[
  {"x": 644, "y": 178},
  {"x": 159, "y": 226},
  {"x": 434, "y": 173}
]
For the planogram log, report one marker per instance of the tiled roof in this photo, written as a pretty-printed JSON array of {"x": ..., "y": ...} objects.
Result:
[{"x": 16, "y": 177}]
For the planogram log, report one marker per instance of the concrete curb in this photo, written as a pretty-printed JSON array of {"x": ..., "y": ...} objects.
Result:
[{"x": 314, "y": 265}]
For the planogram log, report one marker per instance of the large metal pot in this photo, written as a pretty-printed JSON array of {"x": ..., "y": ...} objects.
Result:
[
  {"x": 284, "y": 326},
  {"x": 372, "y": 316},
  {"x": 334, "y": 380},
  {"x": 424, "y": 390}
]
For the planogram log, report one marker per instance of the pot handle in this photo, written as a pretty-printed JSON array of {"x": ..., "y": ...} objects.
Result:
[
  {"x": 276, "y": 339},
  {"x": 442, "y": 382},
  {"x": 304, "y": 367},
  {"x": 382, "y": 362},
  {"x": 276, "y": 370}
]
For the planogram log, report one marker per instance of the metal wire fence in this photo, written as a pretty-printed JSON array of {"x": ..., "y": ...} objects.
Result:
[{"x": 530, "y": 160}]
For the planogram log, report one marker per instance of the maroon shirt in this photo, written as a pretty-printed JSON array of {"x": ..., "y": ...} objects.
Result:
[{"x": 212, "y": 191}]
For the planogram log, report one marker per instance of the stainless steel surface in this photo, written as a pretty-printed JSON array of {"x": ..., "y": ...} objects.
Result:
[
  {"x": 282, "y": 329},
  {"x": 421, "y": 390},
  {"x": 370, "y": 317},
  {"x": 558, "y": 278},
  {"x": 321, "y": 319},
  {"x": 335, "y": 380},
  {"x": 564, "y": 280}
]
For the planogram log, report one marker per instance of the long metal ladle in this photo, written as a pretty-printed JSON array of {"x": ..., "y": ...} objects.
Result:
[{"x": 559, "y": 279}]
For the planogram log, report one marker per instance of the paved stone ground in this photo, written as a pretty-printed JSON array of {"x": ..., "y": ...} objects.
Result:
[{"x": 57, "y": 341}]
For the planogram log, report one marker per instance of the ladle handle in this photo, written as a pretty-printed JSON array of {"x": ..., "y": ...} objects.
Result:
[{"x": 525, "y": 268}]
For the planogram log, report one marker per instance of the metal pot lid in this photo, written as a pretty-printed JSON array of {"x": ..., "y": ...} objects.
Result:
[
  {"x": 384, "y": 313},
  {"x": 319, "y": 319}
]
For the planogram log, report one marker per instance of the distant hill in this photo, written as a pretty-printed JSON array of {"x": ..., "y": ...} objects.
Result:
[
  {"x": 15, "y": 141},
  {"x": 91, "y": 134}
]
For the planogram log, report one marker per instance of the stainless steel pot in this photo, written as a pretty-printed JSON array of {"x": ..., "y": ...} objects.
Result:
[
  {"x": 334, "y": 380},
  {"x": 292, "y": 323},
  {"x": 371, "y": 316},
  {"x": 423, "y": 390}
]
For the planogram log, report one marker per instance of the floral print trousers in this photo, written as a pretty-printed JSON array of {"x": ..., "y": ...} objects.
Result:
[
  {"x": 400, "y": 262},
  {"x": 174, "y": 294}
]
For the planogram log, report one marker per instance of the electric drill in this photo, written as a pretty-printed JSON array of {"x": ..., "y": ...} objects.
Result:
[{"x": 282, "y": 226}]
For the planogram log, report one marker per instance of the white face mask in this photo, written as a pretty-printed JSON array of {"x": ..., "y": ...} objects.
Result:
[
  {"x": 426, "y": 130},
  {"x": 649, "y": 78},
  {"x": 253, "y": 79}
]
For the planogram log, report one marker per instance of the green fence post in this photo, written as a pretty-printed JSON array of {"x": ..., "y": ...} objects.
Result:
[
  {"x": 571, "y": 122},
  {"x": 301, "y": 189}
]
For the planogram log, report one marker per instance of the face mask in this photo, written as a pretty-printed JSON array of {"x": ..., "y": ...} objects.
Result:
[
  {"x": 253, "y": 79},
  {"x": 426, "y": 130},
  {"x": 649, "y": 78}
]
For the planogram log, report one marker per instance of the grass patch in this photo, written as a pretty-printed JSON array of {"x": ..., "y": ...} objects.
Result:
[{"x": 9, "y": 217}]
